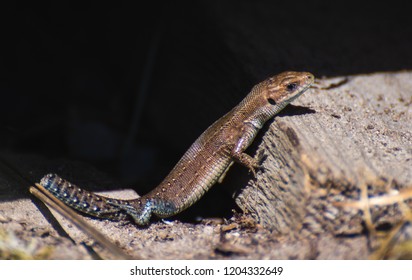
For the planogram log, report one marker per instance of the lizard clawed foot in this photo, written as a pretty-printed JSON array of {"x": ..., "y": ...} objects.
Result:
[
  {"x": 256, "y": 168},
  {"x": 257, "y": 163},
  {"x": 261, "y": 157},
  {"x": 138, "y": 210},
  {"x": 123, "y": 223},
  {"x": 251, "y": 163}
]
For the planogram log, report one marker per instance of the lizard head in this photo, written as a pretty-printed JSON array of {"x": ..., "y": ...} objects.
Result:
[{"x": 285, "y": 87}]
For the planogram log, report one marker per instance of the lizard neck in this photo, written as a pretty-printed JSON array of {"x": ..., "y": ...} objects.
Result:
[{"x": 255, "y": 109}]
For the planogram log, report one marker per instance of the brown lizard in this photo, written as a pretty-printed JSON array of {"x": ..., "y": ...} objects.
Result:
[{"x": 204, "y": 163}]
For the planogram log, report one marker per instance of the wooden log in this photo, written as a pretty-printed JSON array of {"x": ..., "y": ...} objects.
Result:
[{"x": 337, "y": 148}]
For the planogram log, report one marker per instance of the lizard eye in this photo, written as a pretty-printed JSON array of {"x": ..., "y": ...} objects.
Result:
[
  {"x": 271, "y": 101},
  {"x": 292, "y": 86}
]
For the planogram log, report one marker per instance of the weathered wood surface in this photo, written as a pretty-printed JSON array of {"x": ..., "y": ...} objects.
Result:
[{"x": 343, "y": 139}]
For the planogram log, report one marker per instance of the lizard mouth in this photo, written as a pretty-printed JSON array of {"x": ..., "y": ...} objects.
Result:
[{"x": 310, "y": 79}]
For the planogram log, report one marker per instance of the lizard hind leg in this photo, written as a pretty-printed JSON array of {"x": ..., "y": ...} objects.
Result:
[{"x": 140, "y": 210}]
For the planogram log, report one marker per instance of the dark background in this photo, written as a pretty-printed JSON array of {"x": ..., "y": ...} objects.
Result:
[{"x": 127, "y": 88}]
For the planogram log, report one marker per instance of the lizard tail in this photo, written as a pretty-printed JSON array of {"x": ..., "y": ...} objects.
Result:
[{"x": 82, "y": 200}]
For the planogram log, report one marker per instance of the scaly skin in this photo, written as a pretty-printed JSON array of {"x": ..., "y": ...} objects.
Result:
[{"x": 204, "y": 163}]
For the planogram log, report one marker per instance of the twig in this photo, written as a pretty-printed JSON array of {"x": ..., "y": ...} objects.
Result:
[{"x": 41, "y": 193}]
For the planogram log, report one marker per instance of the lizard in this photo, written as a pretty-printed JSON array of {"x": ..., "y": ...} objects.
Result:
[{"x": 204, "y": 163}]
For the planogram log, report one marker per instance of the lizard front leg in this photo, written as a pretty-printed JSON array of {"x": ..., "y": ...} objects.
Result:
[
  {"x": 248, "y": 161},
  {"x": 244, "y": 141}
]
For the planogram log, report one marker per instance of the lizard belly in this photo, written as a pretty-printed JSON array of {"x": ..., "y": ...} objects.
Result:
[{"x": 176, "y": 193}]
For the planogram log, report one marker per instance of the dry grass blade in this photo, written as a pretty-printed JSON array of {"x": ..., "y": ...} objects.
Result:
[
  {"x": 41, "y": 193},
  {"x": 388, "y": 246},
  {"x": 387, "y": 243},
  {"x": 395, "y": 197},
  {"x": 382, "y": 200},
  {"x": 366, "y": 209}
]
